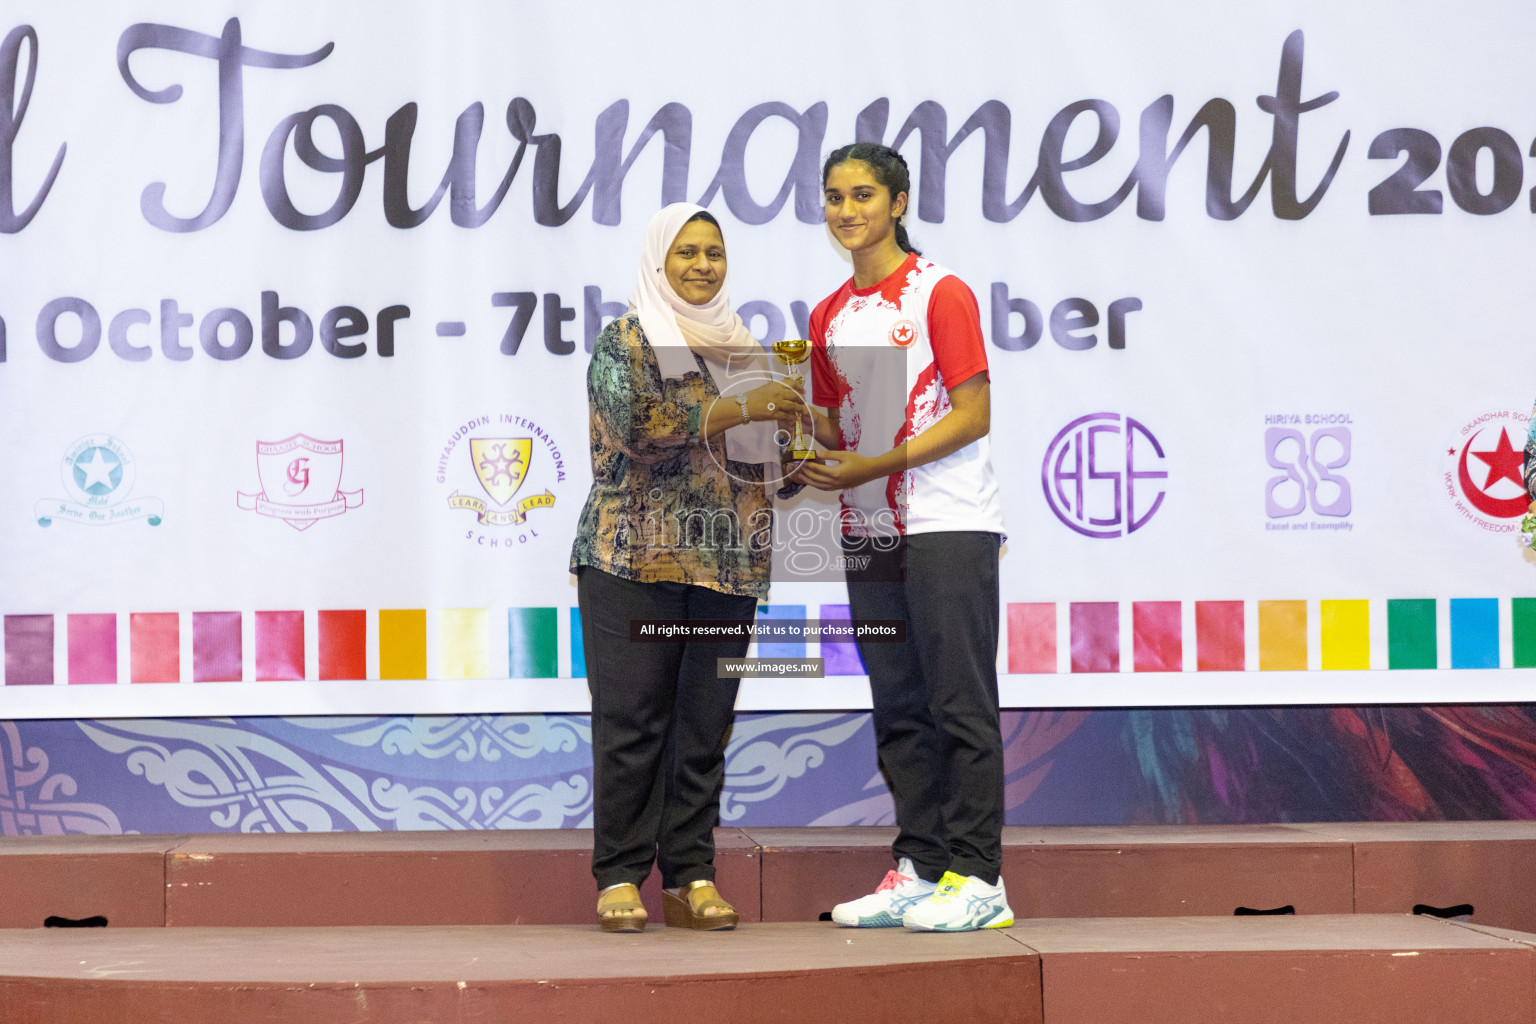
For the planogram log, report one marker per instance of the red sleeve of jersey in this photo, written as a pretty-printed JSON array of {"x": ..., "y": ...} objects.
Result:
[
  {"x": 954, "y": 331},
  {"x": 824, "y": 389}
]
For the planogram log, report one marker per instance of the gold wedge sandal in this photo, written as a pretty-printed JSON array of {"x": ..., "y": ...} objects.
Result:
[
  {"x": 687, "y": 908},
  {"x": 619, "y": 909}
]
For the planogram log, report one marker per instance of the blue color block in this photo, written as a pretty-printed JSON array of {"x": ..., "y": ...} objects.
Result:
[
  {"x": 1474, "y": 632},
  {"x": 789, "y": 612},
  {"x": 578, "y": 648}
]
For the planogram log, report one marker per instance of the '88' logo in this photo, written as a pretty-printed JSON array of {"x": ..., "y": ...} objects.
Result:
[{"x": 1309, "y": 479}]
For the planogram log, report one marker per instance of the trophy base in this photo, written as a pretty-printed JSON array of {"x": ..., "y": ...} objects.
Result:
[{"x": 803, "y": 454}]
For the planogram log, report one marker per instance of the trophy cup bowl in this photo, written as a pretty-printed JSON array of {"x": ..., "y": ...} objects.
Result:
[{"x": 791, "y": 352}]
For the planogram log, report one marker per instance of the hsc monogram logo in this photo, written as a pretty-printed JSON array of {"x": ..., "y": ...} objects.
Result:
[{"x": 1103, "y": 475}]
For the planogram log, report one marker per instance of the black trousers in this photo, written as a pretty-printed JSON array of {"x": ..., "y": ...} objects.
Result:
[
  {"x": 935, "y": 696},
  {"x": 659, "y": 723}
]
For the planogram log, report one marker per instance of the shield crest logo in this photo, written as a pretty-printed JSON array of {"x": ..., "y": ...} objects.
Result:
[
  {"x": 501, "y": 464},
  {"x": 299, "y": 470},
  {"x": 300, "y": 482}
]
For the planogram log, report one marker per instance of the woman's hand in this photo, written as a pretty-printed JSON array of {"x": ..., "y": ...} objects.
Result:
[
  {"x": 777, "y": 401},
  {"x": 836, "y": 471},
  {"x": 773, "y": 401}
]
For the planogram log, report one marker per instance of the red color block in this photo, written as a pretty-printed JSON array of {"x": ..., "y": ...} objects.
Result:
[
  {"x": 1095, "y": 636},
  {"x": 343, "y": 645},
  {"x": 1032, "y": 637},
  {"x": 92, "y": 649},
  {"x": 1219, "y": 644},
  {"x": 216, "y": 647},
  {"x": 279, "y": 645},
  {"x": 154, "y": 647},
  {"x": 1158, "y": 640}
]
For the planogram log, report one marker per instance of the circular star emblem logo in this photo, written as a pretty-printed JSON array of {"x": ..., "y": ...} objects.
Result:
[
  {"x": 903, "y": 333},
  {"x": 1486, "y": 476},
  {"x": 97, "y": 470}
]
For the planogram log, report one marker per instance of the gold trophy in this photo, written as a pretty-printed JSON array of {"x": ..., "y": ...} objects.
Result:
[{"x": 791, "y": 352}]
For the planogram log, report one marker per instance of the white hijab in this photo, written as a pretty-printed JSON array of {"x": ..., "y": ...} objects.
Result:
[{"x": 676, "y": 329}]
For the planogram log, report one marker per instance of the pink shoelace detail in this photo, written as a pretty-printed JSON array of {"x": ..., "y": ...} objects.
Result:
[{"x": 893, "y": 879}]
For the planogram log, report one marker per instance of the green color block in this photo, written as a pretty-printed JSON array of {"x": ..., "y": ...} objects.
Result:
[
  {"x": 532, "y": 643},
  {"x": 1411, "y": 639},
  {"x": 1524, "y": 625}
]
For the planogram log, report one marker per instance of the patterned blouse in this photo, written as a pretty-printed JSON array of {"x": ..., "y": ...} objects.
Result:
[
  {"x": 664, "y": 506},
  {"x": 1530, "y": 457}
]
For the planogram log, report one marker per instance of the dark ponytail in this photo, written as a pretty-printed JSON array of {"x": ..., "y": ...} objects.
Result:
[{"x": 890, "y": 170}]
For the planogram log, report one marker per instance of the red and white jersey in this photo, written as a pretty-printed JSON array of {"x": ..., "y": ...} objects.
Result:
[{"x": 885, "y": 357}]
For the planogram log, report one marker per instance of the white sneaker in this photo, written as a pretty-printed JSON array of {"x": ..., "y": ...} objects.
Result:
[
  {"x": 961, "y": 903},
  {"x": 883, "y": 908}
]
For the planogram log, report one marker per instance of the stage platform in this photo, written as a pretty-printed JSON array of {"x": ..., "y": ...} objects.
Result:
[
  {"x": 1114, "y": 924},
  {"x": 771, "y": 874},
  {"x": 1362, "y": 969}
]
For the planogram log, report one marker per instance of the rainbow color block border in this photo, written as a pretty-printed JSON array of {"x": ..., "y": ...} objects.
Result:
[{"x": 1039, "y": 638}]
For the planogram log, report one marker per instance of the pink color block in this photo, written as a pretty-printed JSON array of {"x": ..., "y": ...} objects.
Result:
[
  {"x": 1219, "y": 643},
  {"x": 216, "y": 647},
  {"x": 279, "y": 645},
  {"x": 1095, "y": 636},
  {"x": 1158, "y": 628},
  {"x": 1032, "y": 637},
  {"x": 29, "y": 650},
  {"x": 92, "y": 649}
]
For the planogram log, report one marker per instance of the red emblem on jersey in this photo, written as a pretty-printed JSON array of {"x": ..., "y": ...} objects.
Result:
[{"x": 903, "y": 333}]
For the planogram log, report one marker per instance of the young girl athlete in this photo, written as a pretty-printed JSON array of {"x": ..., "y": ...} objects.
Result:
[{"x": 899, "y": 364}]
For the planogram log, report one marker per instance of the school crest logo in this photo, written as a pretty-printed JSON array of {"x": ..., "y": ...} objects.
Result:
[
  {"x": 98, "y": 473},
  {"x": 903, "y": 333},
  {"x": 1482, "y": 475},
  {"x": 502, "y": 470},
  {"x": 300, "y": 482},
  {"x": 501, "y": 464}
]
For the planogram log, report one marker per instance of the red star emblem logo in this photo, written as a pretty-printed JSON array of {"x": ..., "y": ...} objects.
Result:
[
  {"x": 1504, "y": 462},
  {"x": 903, "y": 333}
]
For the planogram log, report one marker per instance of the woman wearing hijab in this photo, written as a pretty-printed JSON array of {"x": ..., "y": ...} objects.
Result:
[{"x": 683, "y": 417}]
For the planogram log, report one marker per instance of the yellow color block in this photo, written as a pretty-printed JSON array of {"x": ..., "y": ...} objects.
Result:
[
  {"x": 402, "y": 643},
  {"x": 1282, "y": 636},
  {"x": 463, "y": 642},
  {"x": 1346, "y": 629}
]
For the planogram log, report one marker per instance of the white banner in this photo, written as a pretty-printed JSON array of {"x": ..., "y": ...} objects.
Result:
[{"x": 278, "y": 282}]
